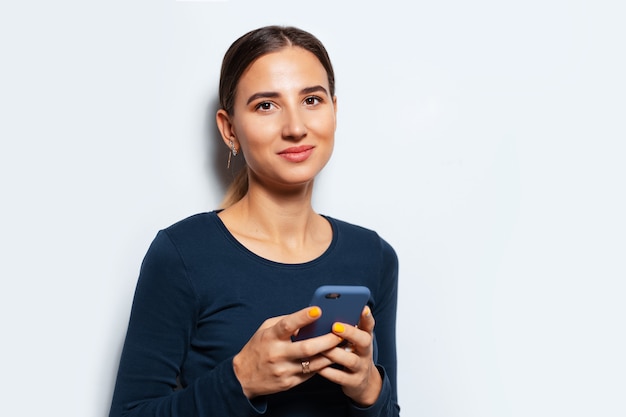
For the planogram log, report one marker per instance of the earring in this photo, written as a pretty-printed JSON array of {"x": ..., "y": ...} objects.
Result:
[
  {"x": 232, "y": 148},
  {"x": 233, "y": 152}
]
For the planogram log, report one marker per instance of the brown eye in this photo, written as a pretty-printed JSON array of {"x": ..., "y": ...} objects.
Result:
[
  {"x": 312, "y": 100},
  {"x": 265, "y": 106}
]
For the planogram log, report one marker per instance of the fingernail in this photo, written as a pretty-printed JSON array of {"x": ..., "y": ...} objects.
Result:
[
  {"x": 338, "y": 328},
  {"x": 368, "y": 312},
  {"x": 315, "y": 312}
]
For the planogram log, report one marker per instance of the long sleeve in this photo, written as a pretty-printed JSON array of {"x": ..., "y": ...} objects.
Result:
[
  {"x": 201, "y": 295},
  {"x": 162, "y": 322},
  {"x": 385, "y": 315}
]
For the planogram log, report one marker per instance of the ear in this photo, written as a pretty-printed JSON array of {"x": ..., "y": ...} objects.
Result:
[
  {"x": 335, "y": 109},
  {"x": 226, "y": 128}
]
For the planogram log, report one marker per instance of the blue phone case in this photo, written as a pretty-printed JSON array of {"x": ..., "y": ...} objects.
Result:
[{"x": 339, "y": 303}]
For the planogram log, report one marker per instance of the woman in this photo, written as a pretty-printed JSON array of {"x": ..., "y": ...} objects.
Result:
[{"x": 221, "y": 294}]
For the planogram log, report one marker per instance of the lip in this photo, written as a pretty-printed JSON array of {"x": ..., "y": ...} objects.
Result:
[{"x": 297, "y": 153}]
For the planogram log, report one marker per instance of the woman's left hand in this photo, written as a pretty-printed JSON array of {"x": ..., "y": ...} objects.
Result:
[{"x": 359, "y": 378}]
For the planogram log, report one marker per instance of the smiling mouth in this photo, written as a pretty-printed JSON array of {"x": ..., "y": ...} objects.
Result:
[{"x": 296, "y": 153}]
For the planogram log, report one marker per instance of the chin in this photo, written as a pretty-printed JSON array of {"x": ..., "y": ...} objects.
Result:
[{"x": 303, "y": 176}]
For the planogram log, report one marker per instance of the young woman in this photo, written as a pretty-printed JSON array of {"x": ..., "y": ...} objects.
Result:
[{"x": 220, "y": 294}]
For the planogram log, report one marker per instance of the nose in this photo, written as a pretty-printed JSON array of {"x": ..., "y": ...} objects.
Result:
[{"x": 294, "y": 127}]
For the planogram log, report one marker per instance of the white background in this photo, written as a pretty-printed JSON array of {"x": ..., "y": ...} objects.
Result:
[{"x": 484, "y": 140}]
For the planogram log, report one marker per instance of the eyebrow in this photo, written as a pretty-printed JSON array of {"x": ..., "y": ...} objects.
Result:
[
  {"x": 264, "y": 94},
  {"x": 314, "y": 89},
  {"x": 273, "y": 94}
]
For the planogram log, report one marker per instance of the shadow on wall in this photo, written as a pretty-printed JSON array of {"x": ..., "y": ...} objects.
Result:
[{"x": 217, "y": 153}]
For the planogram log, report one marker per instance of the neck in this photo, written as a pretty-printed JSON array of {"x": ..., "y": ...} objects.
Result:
[
  {"x": 279, "y": 216},
  {"x": 280, "y": 226}
]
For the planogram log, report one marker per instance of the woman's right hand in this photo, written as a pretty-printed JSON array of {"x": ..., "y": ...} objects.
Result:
[{"x": 270, "y": 362}]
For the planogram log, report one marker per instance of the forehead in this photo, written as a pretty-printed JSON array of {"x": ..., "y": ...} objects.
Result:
[{"x": 291, "y": 67}]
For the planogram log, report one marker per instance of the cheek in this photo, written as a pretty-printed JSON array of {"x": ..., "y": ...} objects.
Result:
[
  {"x": 251, "y": 135},
  {"x": 325, "y": 125},
  {"x": 256, "y": 147}
]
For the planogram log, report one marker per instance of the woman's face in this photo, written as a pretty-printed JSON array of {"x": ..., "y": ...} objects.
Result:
[{"x": 284, "y": 118}]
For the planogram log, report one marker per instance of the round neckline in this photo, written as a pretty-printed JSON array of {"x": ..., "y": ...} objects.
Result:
[{"x": 242, "y": 248}]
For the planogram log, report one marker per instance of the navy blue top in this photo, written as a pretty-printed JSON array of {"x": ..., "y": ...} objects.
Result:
[{"x": 201, "y": 295}]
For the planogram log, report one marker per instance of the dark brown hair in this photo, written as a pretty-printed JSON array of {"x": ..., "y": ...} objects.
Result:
[
  {"x": 254, "y": 44},
  {"x": 241, "y": 54}
]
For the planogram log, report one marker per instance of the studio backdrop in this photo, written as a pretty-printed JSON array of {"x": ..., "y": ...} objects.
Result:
[{"x": 484, "y": 140}]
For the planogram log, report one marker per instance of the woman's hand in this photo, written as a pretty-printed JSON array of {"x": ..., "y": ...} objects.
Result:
[
  {"x": 270, "y": 362},
  {"x": 359, "y": 377}
]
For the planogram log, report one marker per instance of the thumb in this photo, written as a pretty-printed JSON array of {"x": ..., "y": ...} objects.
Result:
[
  {"x": 367, "y": 322},
  {"x": 288, "y": 325}
]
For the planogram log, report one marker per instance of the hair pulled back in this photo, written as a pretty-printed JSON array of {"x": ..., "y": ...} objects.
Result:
[
  {"x": 238, "y": 58},
  {"x": 256, "y": 43}
]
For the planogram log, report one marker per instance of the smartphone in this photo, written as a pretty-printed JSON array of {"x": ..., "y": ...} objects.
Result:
[{"x": 343, "y": 303}]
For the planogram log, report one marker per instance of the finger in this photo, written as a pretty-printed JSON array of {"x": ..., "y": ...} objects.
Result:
[
  {"x": 360, "y": 339},
  {"x": 270, "y": 322},
  {"x": 289, "y": 324},
  {"x": 343, "y": 357},
  {"x": 362, "y": 386},
  {"x": 367, "y": 322},
  {"x": 309, "y": 366},
  {"x": 314, "y": 346}
]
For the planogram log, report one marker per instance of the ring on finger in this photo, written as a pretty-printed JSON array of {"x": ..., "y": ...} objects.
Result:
[{"x": 305, "y": 367}]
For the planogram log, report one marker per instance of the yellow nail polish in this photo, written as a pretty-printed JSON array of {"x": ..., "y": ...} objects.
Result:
[
  {"x": 338, "y": 328},
  {"x": 368, "y": 312},
  {"x": 315, "y": 312}
]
